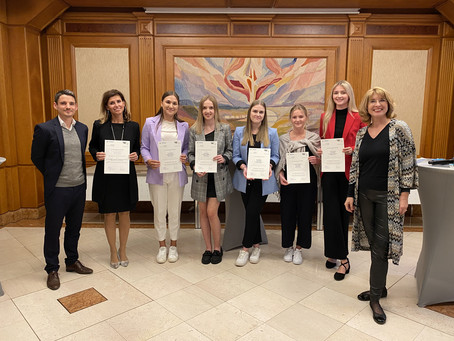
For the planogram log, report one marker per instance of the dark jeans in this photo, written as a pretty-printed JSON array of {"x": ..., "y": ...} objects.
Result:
[
  {"x": 253, "y": 201},
  {"x": 68, "y": 203},
  {"x": 297, "y": 206},
  {"x": 374, "y": 212},
  {"x": 335, "y": 216}
]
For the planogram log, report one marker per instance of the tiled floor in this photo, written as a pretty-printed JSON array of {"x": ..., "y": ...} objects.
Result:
[{"x": 271, "y": 300}]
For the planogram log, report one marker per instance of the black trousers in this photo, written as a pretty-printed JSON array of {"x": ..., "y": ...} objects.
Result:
[
  {"x": 335, "y": 216},
  {"x": 374, "y": 213},
  {"x": 68, "y": 203},
  {"x": 297, "y": 206},
  {"x": 253, "y": 202}
]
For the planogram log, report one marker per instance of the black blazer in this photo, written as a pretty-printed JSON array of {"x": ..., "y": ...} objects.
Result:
[
  {"x": 102, "y": 132},
  {"x": 48, "y": 151}
]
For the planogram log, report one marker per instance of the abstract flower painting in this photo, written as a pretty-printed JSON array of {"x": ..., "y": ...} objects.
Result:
[{"x": 236, "y": 82}]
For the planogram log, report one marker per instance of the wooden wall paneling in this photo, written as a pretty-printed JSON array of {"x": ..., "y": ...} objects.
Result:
[
  {"x": 166, "y": 49},
  {"x": 432, "y": 45},
  {"x": 444, "y": 111},
  {"x": 146, "y": 79}
]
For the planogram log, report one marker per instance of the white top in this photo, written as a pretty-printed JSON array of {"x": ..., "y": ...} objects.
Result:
[{"x": 168, "y": 131}]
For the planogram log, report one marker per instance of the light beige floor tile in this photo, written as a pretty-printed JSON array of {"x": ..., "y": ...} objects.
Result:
[
  {"x": 25, "y": 284},
  {"x": 99, "y": 332},
  {"x": 17, "y": 269},
  {"x": 194, "y": 272},
  {"x": 224, "y": 323},
  {"x": 226, "y": 285},
  {"x": 138, "y": 268},
  {"x": 189, "y": 302},
  {"x": 160, "y": 285},
  {"x": 50, "y": 320},
  {"x": 395, "y": 328},
  {"x": 430, "y": 334},
  {"x": 266, "y": 269},
  {"x": 182, "y": 332},
  {"x": 350, "y": 334},
  {"x": 333, "y": 304},
  {"x": 261, "y": 303},
  {"x": 301, "y": 323},
  {"x": 144, "y": 322},
  {"x": 265, "y": 333},
  {"x": 13, "y": 326},
  {"x": 291, "y": 286}
]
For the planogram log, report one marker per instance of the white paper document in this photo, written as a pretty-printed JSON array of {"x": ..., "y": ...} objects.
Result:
[
  {"x": 298, "y": 168},
  {"x": 117, "y": 157},
  {"x": 169, "y": 156},
  {"x": 333, "y": 159},
  {"x": 258, "y": 163},
  {"x": 205, "y": 151}
]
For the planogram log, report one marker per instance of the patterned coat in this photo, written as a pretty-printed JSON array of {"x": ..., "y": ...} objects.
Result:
[
  {"x": 222, "y": 179},
  {"x": 402, "y": 173}
]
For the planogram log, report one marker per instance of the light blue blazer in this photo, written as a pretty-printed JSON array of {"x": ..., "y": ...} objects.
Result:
[{"x": 240, "y": 153}]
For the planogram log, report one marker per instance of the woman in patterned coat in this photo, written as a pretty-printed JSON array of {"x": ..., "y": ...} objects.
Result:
[
  {"x": 209, "y": 189},
  {"x": 383, "y": 171}
]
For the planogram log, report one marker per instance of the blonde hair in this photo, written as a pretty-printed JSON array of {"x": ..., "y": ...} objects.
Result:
[
  {"x": 200, "y": 121},
  {"x": 262, "y": 135},
  {"x": 332, "y": 106},
  {"x": 105, "y": 114},
  {"x": 364, "y": 113},
  {"x": 296, "y": 107}
]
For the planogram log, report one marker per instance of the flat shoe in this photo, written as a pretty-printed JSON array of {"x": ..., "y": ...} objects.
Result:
[
  {"x": 340, "y": 276},
  {"x": 330, "y": 265},
  {"x": 379, "y": 317},
  {"x": 206, "y": 257},
  {"x": 365, "y": 295}
]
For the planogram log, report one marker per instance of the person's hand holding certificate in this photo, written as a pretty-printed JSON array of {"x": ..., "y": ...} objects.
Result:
[
  {"x": 333, "y": 159},
  {"x": 298, "y": 168},
  {"x": 205, "y": 151},
  {"x": 117, "y": 157},
  {"x": 169, "y": 156},
  {"x": 258, "y": 163}
]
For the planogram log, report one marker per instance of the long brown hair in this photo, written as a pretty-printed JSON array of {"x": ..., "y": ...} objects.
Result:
[
  {"x": 105, "y": 114},
  {"x": 262, "y": 135},
  {"x": 160, "y": 111}
]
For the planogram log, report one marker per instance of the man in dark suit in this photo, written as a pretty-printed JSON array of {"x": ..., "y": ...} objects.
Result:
[{"x": 58, "y": 151}]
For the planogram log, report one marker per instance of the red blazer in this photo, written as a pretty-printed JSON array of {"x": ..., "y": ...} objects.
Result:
[{"x": 352, "y": 124}]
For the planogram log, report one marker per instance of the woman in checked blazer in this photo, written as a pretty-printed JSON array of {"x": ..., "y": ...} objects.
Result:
[{"x": 209, "y": 189}]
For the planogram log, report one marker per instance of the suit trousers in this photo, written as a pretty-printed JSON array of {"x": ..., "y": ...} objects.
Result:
[
  {"x": 335, "y": 216},
  {"x": 166, "y": 200},
  {"x": 374, "y": 212},
  {"x": 253, "y": 202},
  {"x": 67, "y": 203},
  {"x": 297, "y": 206}
]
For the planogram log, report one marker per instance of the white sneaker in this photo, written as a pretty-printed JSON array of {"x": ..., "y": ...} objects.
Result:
[
  {"x": 242, "y": 258},
  {"x": 288, "y": 255},
  {"x": 162, "y": 255},
  {"x": 297, "y": 257},
  {"x": 255, "y": 255},
  {"x": 173, "y": 254}
]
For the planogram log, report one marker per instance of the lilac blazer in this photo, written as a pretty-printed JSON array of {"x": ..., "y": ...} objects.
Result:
[{"x": 151, "y": 135}]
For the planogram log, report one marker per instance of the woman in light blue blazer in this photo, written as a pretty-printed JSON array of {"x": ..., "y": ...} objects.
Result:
[{"x": 254, "y": 192}]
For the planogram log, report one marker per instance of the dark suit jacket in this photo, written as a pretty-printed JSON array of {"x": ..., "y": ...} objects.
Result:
[
  {"x": 102, "y": 132},
  {"x": 48, "y": 151},
  {"x": 352, "y": 124}
]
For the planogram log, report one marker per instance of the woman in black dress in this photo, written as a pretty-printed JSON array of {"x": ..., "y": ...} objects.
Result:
[{"x": 115, "y": 193}]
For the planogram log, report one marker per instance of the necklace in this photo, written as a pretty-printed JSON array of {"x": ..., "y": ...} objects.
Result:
[{"x": 122, "y": 131}]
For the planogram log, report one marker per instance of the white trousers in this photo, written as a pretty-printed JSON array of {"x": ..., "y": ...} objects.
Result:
[{"x": 166, "y": 200}]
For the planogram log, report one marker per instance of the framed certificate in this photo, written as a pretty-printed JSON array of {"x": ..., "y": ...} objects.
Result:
[
  {"x": 333, "y": 159},
  {"x": 117, "y": 157},
  {"x": 258, "y": 163},
  {"x": 169, "y": 156},
  {"x": 298, "y": 168},
  {"x": 205, "y": 151}
]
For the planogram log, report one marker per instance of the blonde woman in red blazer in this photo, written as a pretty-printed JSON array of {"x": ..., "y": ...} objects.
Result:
[{"x": 341, "y": 120}]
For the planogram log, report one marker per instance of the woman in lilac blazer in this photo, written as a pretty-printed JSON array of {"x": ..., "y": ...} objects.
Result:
[{"x": 166, "y": 189}]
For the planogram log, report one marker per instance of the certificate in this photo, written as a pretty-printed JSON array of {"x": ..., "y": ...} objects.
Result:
[
  {"x": 117, "y": 157},
  {"x": 333, "y": 159},
  {"x": 258, "y": 163},
  {"x": 169, "y": 156},
  {"x": 205, "y": 151},
  {"x": 298, "y": 168}
]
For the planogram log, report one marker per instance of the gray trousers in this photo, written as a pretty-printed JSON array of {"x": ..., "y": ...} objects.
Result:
[{"x": 374, "y": 212}]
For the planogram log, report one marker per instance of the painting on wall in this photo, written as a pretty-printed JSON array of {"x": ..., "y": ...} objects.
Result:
[{"x": 236, "y": 82}]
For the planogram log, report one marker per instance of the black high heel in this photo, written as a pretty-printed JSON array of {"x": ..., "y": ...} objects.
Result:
[{"x": 339, "y": 276}]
